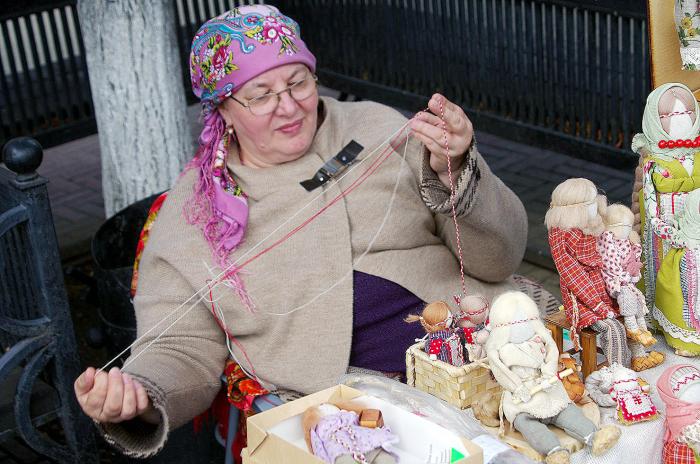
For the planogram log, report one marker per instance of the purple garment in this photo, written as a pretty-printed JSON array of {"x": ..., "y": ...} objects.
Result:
[
  {"x": 345, "y": 426},
  {"x": 380, "y": 336}
]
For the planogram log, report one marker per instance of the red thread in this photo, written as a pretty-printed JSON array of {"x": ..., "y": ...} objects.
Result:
[
  {"x": 356, "y": 183},
  {"x": 452, "y": 199}
]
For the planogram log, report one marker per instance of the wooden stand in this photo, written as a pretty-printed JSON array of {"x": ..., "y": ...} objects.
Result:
[{"x": 556, "y": 323}]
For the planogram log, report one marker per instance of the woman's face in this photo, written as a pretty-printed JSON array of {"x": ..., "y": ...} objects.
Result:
[{"x": 282, "y": 135}]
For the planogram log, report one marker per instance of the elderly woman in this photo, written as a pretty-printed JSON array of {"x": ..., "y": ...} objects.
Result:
[{"x": 335, "y": 293}]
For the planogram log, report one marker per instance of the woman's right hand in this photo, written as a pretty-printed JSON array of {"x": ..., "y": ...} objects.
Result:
[{"x": 113, "y": 397}]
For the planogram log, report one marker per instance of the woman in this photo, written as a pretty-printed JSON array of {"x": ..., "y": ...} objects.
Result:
[{"x": 298, "y": 322}]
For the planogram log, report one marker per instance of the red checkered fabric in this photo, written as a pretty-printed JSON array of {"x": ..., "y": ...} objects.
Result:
[
  {"x": 677, "y": 453},
  {"x": 579, "y": 266}
]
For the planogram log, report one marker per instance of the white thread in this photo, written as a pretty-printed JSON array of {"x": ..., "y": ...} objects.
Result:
[
  {"x": 232, "y": 265},
  {"x": 135, "y": 357},
  {"x": 369, "y": 247}
]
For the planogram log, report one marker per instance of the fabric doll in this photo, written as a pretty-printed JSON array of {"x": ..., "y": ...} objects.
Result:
[
  {"x": 442, "y": 342},
  {"x": 687, "y": 16},
  {"x": 633, "y": 403},
  {"x": 572, "y": 383},
  {"x": 621, "y": 253},
  {"x": 679, "y": 388},
  {"x": 574, "y": 222},
  {"x": 524, "y": 358},
  {"x": 600, "y": 383},
  {"x": 333, "y": 433},
  {"x": 472, "y": 319},
  {"x": 669, "y": 147}
]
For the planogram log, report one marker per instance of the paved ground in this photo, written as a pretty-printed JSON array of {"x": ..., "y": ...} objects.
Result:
[{"x": 75, "y": 189}]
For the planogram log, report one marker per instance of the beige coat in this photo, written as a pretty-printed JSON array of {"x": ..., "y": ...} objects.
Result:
[{"x": 308, "y": 348}]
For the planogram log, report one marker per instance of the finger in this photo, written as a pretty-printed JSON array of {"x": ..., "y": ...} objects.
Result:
[
  {"x": 453, "y": 114},
  {"x": 142, "y": 400},
  {"x": 430, "y": 144},
  {"x": 430, "y": 118},
  {"x": 129, "y": 404},
  {"x": 84, "y": 382},
  {"x": 96, "y": 396},
  {"x": 115, "y": 395},
  {"x": 429, "y": 130}
]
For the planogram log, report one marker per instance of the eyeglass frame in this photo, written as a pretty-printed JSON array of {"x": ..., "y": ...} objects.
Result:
[{"x": 288, "y": 89}]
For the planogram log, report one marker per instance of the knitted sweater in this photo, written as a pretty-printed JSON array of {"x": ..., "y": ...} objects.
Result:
[{"x": 307, "y": 349}]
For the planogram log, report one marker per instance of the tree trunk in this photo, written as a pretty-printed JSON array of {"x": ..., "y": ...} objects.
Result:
[{"x": 140, "y": 108}]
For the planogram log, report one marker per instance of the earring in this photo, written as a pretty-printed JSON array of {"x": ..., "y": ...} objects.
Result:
[{"x": 229, "y": 130}]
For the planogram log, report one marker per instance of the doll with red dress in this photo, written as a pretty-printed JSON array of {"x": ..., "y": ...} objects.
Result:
[{"x": 574, "y": 221}]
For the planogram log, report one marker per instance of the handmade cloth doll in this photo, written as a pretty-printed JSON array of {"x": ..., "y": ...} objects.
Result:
[
  {"x": 621, "y": 253},
  {"x": 633, "y": 403},
  {"x": 679, "y": 389},
  {"x": 334, "y": 434},
  {"x": 442, "y": 342},
  {"x": 574, "y": 222},
  {"x": 524, "y": 358},
  {"x": 670, "y": 172},
  {"x": 472, "y": 324},
  {"x": 599, "y": 384},
  {"x": 687, "y": 16}
]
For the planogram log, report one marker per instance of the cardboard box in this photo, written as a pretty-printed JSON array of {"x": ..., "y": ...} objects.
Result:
[{"x": 275, "y": 436}]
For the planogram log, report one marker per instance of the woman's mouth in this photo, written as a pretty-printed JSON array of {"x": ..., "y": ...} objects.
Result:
[{"x": 291, "y": 128}]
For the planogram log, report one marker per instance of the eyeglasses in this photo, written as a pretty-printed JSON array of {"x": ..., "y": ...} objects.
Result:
[{"x": 266, "y": 104}]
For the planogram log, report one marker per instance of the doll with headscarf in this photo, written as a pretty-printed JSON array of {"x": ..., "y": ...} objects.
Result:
[
  {"x": 679, "y": 389},
  {"x": 574, "y": 222},
  {"x": 633, "y": 403},
  {"x": 472, "y": 324},
  {"x": 441, "y": 342},
  {"x": 621, "y": 253},
  {"x": 524, "y": 358},
  {"x": 671, "y": 170}
]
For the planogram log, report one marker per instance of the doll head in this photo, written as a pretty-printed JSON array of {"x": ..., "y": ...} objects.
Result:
[
  {"x": 685, "y": 383},
  {"x": 677, "y": 112},
  {"x": 473, "y": 310},
  {"x": 624, "y": 379},
  {"x": 514, "y": 318},
  {"x": 670, "y": 114},
  {"x": 435, "y": 316},
  {"x": 576, "y": 205},
  {"x": 619, "y": 219}
]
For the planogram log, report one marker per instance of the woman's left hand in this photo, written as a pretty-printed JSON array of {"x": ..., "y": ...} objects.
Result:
[{"x": 428, "y": 128}]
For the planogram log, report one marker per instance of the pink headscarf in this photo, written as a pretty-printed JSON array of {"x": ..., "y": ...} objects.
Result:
[
  {"x": 227, "y": 52},
  {"x": 679, "y": 413}
]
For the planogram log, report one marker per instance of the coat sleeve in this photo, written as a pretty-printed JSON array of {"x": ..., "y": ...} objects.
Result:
[
  {"x": 179, "y": 366},
  {"x": 491, "y": 218}
]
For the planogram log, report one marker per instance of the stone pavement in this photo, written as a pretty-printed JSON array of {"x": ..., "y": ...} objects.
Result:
[{"x": 73, "y": 170}]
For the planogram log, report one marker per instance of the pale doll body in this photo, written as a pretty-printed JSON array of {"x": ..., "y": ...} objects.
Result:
[
  {"x": 473, "y": 320},
  {"x": 621, "y": 253},
  {"x": 333, "y": 433},
  {"x": 524, "y": 358}
]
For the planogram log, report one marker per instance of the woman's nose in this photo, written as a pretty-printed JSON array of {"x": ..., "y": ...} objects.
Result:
[{"x": 287, "y": 105}]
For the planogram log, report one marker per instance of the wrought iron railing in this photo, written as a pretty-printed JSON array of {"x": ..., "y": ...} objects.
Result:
[{"x": 570, "y": 76}]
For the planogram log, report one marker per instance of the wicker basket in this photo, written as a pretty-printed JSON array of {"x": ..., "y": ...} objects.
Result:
[{"x": 456, "y": 385}]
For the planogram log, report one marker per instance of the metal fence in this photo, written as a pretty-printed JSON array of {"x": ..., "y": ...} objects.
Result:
[{"x": 570, "y": 76}]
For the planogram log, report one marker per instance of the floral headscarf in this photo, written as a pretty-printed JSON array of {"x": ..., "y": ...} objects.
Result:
[{"x": 227, "y": 52}]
